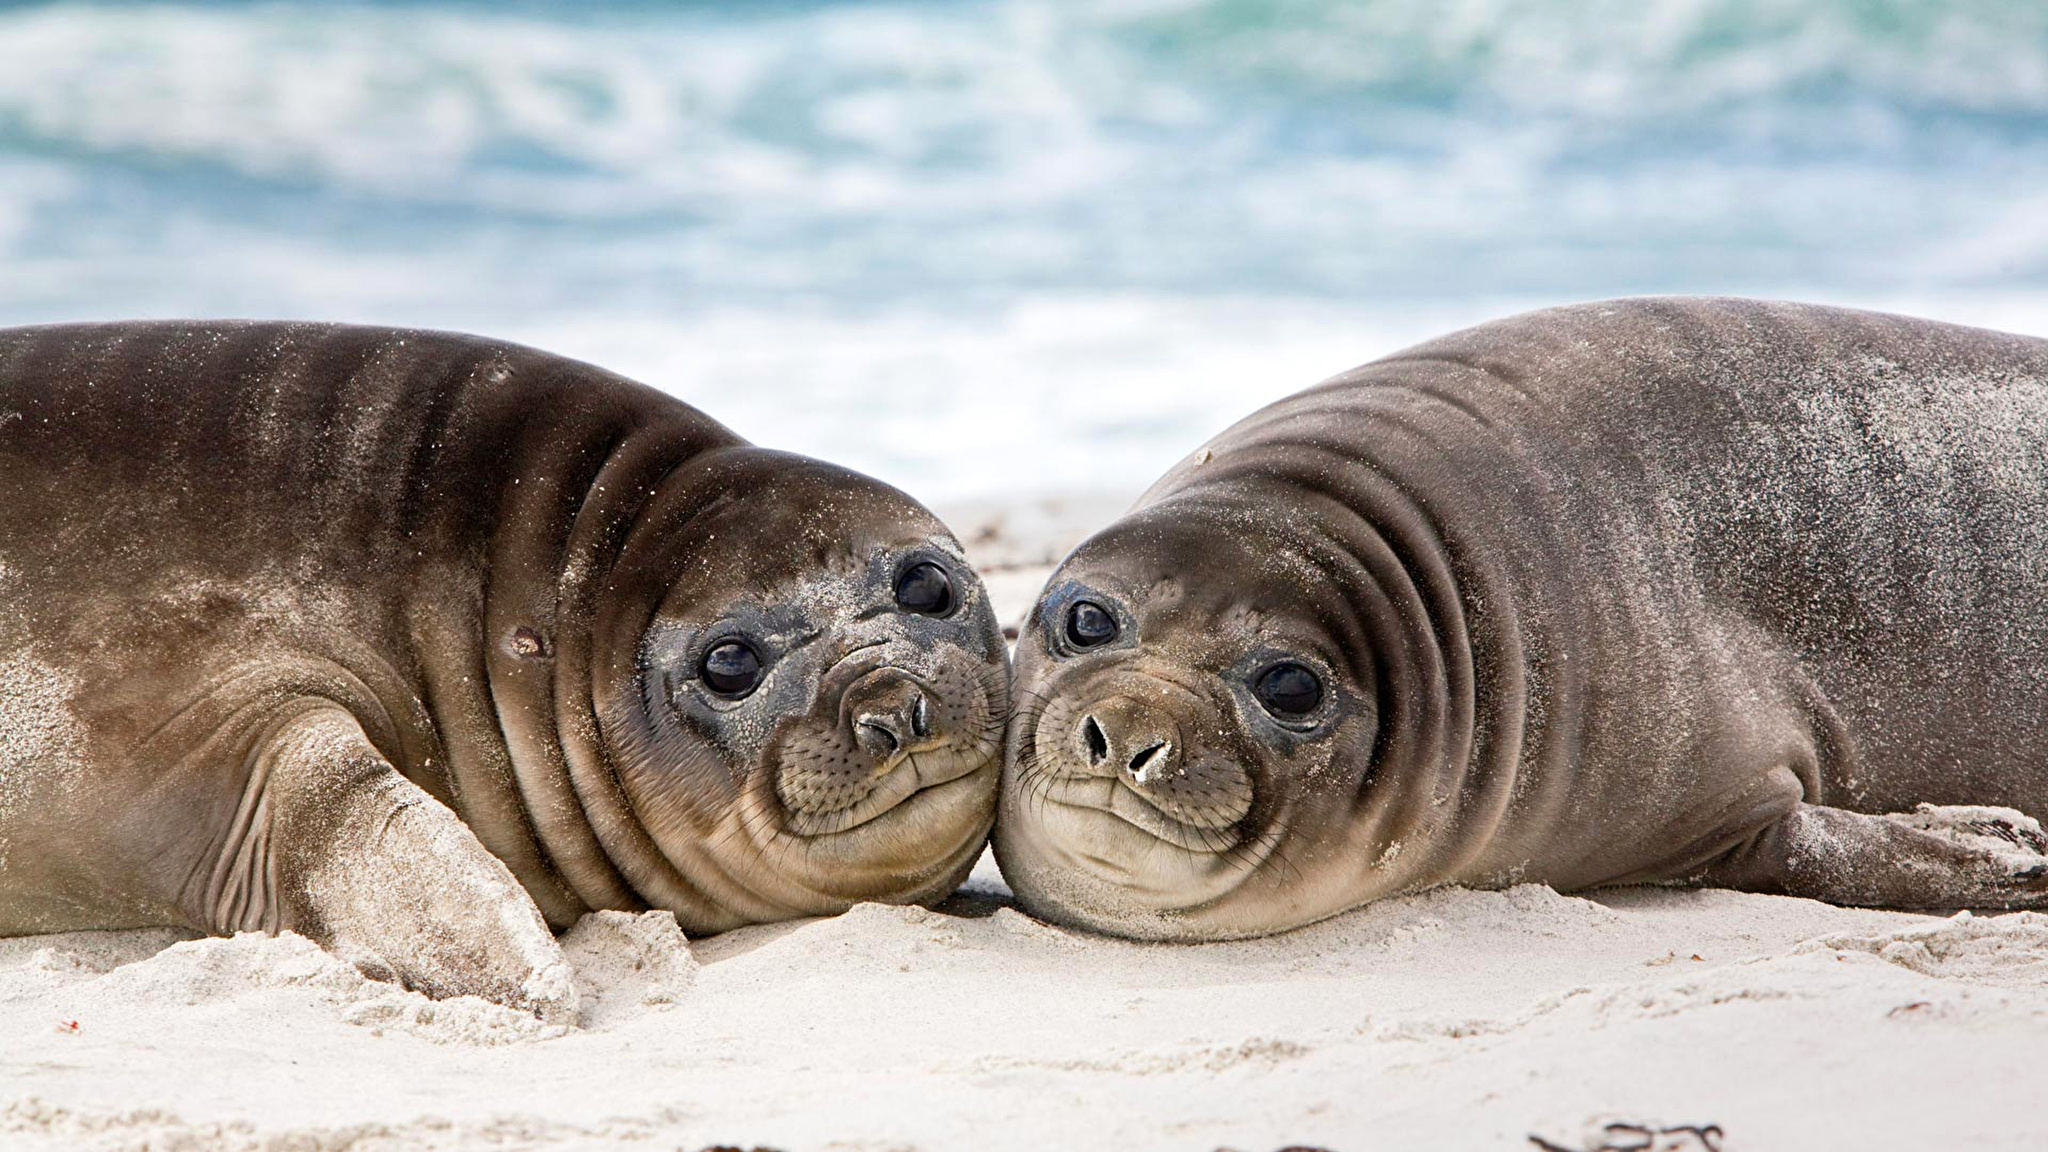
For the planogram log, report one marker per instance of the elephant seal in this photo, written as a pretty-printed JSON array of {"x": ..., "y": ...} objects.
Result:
[
  {"x": 1683, "y": 591},
  {"x": 418, "y": 643}
]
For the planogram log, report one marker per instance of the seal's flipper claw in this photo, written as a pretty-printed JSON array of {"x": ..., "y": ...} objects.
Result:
[
  {"x": 2003, "y": 824},
  {"x": 363, "y": 861},
  {"x": 1934, "y": 858}
]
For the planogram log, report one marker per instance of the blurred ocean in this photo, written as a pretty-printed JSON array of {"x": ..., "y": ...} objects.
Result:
[{"x": 984, "y": 248}]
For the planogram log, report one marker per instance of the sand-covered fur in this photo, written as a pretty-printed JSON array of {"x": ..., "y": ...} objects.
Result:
[
  {"x": 1663, "y": 590},
  {"x": 404, "y": 642}
]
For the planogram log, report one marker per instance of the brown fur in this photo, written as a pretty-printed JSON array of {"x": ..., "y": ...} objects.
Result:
[{"x": 471, "y": 561}]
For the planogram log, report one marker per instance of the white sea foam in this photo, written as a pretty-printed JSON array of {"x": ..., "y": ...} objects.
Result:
[
  {"x": 1074, "y": 394},
  {"x": 692, "y": 154},
  {"x": 918, "y": 236}
]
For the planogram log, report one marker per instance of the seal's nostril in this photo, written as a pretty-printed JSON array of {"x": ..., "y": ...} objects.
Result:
[
  {"x": 1149, "y": 759},
  {"x": 877, "y": 737},
  {"x": 1098, "y": 744},
  {"x": 921, "y": 717}
]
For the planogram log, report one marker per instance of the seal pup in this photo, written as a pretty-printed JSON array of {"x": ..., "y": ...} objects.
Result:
[
  {"x": 1684, "y": 591},
  {"x": 419, "y": 643}
]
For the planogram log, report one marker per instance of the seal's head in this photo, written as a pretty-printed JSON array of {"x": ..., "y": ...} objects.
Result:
[
  {"x": 1195, "y": 720},
  {"x": 801, "y": 688}
]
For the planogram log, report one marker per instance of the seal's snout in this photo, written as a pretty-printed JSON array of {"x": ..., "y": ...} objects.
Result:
[
  {"x": 887, "y": 733},
  {"x": 889, "y": 713},
  {"x": 1121, "y": 737}
]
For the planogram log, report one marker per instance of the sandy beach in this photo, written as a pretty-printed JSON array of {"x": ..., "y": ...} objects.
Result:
[
  {"x": 1450, "y": 1019},
  {"x": 992, "y": 251}
]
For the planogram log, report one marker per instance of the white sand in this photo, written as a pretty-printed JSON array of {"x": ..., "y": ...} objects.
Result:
[{"x": 1455, "y": 1019}]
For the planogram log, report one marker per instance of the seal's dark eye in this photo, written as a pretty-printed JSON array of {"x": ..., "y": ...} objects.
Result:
[
  {"x": 1089, "y": 625},
  {"x": 925, "y": 589},
  {"x": 1288, "y": 690},
  {"x": 731, "y": 669}
]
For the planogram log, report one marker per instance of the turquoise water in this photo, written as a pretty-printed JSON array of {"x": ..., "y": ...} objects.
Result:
[{"x": 901, "y": 232}]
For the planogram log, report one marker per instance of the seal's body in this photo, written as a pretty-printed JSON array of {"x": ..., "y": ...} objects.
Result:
[
  {"x": 310, "y": 627},
  {"x": 1647, "y": 591}
]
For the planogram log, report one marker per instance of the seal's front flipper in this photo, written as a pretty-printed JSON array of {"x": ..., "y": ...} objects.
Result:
[
  {"x": 1932, "y": 858},
  {"x": 333, "y": 843}
]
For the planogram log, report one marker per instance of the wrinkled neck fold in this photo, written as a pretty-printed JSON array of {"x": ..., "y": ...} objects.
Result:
[
  {"x": 1432, "y": 624},
  {"x": 562, "y": 564}
]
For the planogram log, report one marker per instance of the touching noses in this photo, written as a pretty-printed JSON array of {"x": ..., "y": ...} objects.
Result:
[
  {"x": 889, "y": 712},
  {"x": 1123, "y": 737}
]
